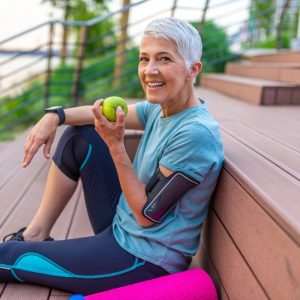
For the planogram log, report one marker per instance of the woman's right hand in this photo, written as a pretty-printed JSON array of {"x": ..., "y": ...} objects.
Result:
[{"x": 43, "y": 133}]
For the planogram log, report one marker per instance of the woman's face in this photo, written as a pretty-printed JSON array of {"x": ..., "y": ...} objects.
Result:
[{"x": 162, "y": 72}]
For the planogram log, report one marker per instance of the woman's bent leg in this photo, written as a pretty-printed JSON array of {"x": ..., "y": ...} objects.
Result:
[
  {"x": 85, "y": 265},
  {"x": 81, "y": 153},
  {"x": 58, "y": 190}
]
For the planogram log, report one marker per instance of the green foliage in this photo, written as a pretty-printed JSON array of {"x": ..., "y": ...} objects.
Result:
[
  {"x": 83, "y": 10},
  {"x": 6, "y": 136},
  {"x": 60, "y": 89},
  {"x": 98, "y": 77},
  {"x": 100, "y": 35},
  {"x": 215, "y": 44},
  {"x": 21, "y": 110},
  {"x": 262, "y": 15},
  {"x": 270, "y": 43}
]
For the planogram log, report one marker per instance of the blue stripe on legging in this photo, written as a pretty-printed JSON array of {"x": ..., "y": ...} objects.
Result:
[
  {"x": 34, "y": 262},
  {"x": 86, "y": 158}
]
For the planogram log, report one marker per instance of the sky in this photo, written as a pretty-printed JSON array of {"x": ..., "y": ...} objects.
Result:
[{"x": 19, "y": 15}]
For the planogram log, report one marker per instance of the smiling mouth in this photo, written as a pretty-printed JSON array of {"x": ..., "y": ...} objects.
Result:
[{"x": 154, "y": 84}]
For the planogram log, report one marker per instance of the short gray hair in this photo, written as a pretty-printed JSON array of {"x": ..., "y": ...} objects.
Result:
[{"x": 183, "y": 34}]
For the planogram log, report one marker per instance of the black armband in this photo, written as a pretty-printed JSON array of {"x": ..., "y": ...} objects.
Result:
[{"x": 164, "y": 192}]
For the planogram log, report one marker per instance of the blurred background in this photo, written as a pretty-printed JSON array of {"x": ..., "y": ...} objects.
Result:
[{"x": 71, "y": 52}]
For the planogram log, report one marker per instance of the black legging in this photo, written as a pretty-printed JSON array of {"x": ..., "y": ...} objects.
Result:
[{"x": 84, "y": 265}]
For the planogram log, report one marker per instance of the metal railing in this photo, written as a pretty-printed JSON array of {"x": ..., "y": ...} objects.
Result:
[{"x": 36, "y": 77}]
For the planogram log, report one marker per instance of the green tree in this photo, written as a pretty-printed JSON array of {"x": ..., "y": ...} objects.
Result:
[
  {"x": 215, "y": 46},
  {"x": 79, "y": 10},
  {"x": 100, "y": 36},
  {"x": 262, "y": 13},
  {"x": 281, "y": 23}
]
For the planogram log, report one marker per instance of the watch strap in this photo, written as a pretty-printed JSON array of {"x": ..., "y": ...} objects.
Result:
[{"x": 59, "y": 110}]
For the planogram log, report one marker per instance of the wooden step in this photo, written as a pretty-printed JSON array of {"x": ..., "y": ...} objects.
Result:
[
  {"x": 20, "y": 194},
  {"x": 256, "y": 91},
  {"x": 254, "y": 222},
  {"x": 3, "y": 145},
  {"x": 255, "y": 213},
  {"x": 282, "y": 56},
  {"x": 286, "y": 72}
]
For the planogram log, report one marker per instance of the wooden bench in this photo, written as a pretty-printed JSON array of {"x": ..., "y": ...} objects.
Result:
[
  {"x": 251, "y": 239},
  {"x": 282, "y": 56},
  {"x": 253, "y": 90},
  {"x": 287, "y": 72},
  {"x": 272, "y": 79},
  {"x": 20, "y": 194}
]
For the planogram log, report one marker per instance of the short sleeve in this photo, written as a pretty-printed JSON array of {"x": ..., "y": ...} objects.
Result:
[
  {"x": 143, "y": 110},
  {"x": 191, "y": 151}
]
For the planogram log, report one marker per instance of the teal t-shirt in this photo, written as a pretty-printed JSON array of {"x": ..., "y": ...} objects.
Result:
[{"x": 189, "y": 142}]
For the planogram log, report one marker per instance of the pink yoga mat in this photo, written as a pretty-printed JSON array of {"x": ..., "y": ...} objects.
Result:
[{"x": 193, "y": 284}]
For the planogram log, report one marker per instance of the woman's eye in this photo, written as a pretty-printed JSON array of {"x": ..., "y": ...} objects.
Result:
[
  {"x": 164, "y": 59},
  {"x": 143, "y": 59}
]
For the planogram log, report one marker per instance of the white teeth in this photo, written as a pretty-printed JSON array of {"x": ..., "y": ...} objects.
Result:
[{"x": 153, "y": 84}]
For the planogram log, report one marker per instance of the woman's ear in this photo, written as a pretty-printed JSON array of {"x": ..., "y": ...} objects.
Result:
[{"x": 195, "y": 69}]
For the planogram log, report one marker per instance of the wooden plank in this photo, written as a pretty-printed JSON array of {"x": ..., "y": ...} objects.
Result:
[
  {"x": 10, "y": 161},
  {"x": 290, "y": 75},
  {"x": 256, "y": 82},
  {"x": 278, "y": 57},
  {"x": 206, "y": 264},
  {"x": 16, "y": 213},
  {"x": 80, "y": 225},
  {"x": 4, "y": 145},
  {"x": 59, "y": 295},
  {"x": 255, "y": 91},
  {"x": 62, "y": 226},
  {"x": 249, "y": 93},
  {"x": 276, "y": 192},
  {"x": 2, "y": 287},
  {"x": 278, "y": 122},
  {"x": 14, "y": 148},
  {"x": 271, "y": 254},
  {"x": 270, "y": 71},
  {"x": 284, "y": 157},
  {"x": 203, "y": 261},
  {"x": 238, "y": 279},
  {"x": 25, "y": 291}
]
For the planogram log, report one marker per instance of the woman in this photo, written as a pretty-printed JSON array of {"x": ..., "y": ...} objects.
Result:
[{"x": 132, "y": 242}]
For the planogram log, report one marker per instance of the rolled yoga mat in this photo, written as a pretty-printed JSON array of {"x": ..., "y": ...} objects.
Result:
[{"x": 193, "y": 284}]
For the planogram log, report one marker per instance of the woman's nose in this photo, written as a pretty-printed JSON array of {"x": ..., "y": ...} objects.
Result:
[{"x": 151, "y": 67}]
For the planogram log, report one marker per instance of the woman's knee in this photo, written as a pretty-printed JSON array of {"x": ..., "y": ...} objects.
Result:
[{"x": 72, "y": 150}]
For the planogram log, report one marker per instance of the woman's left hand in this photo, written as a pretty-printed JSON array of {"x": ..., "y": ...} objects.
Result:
[{"x": 111, "y": 132}]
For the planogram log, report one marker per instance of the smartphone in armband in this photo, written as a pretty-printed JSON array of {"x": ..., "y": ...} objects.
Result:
[{"x": 164, "y": 192}]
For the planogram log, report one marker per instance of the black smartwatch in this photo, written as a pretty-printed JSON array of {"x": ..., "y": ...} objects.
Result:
[{"x": 59, "y": 110}]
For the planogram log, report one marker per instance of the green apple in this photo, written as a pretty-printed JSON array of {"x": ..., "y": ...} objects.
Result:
[{"x": 109, "y": 106}]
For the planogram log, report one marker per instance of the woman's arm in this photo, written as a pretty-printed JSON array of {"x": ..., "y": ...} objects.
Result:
[
  {"x": 43, "y": 133},
  {"x": 132, "y": 187}
]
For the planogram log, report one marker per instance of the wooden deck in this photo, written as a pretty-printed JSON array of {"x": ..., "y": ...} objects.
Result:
[{"x": 251, "y": 240}]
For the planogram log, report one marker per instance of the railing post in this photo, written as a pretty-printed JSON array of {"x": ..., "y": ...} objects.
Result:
[
  {"x": 174, "y": 8},
  {"x": 78, "y": 69},
  {"x": 202, "y": 21},
  {"x": 121, "y": 46},
  {"x": 48, "y": 71}
]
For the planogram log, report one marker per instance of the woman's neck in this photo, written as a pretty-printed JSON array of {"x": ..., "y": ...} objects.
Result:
[{"x": 175, "y": 108}]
